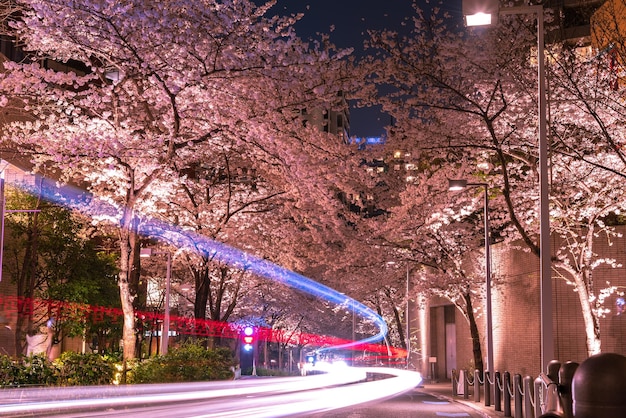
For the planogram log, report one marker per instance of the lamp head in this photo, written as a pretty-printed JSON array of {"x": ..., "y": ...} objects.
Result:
[
  {"x": 457, "y": 184},
  {"x": 480, "y": 12}
]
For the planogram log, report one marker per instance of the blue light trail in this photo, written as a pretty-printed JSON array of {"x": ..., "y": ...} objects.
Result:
[{"x": 77, "y": 199}]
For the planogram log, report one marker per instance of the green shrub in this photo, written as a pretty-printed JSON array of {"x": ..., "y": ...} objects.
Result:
[
  {"x": 8, "y": 371},
  {"x": 187, "y": 363},
  {"x": 74, "y": 369},
  {"x": 275, "y": 372},
  {"x": 36, "y": 370}
]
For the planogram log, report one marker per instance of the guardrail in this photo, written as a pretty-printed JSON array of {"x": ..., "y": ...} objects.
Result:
[{"x": 594, "y": 389}]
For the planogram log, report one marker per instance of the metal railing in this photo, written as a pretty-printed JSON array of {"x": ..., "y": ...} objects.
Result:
[{"x": 549, "y": 395}]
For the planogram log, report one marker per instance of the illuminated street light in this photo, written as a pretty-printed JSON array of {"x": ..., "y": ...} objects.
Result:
[
  {"x": 461, "y": 185},
  {"x": 165, "y": 333},
  {"x": 471, "y": 8}
]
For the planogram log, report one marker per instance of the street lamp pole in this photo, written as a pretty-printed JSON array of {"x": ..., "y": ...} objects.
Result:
[
  {"x": 165, "y": 333},
  {"x": 460, "y": 185},
  {"x": 547, "y": 335},
  {"x": 165, "y": 339},
  {"x": 408, "y": 325},
  {"x": 2, "y": 209}
]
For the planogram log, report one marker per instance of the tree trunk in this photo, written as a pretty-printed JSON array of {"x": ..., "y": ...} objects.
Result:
[
  {"x": 398, "y": 321},
  {"x": 126, "y": 299},
  {"x": 26, "y": 287},
  {"x": 471, "y": 319},
  {"x": 592, "y": 327},
  {"x": 583, "y": 283},
  {"x": 203, "y": 283},
  {"x": 129, "y": 259}
]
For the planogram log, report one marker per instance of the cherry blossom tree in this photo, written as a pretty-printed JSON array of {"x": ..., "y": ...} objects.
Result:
[
  {"x": 458, "y": 98},
  {"x": 161, "y": 83}
]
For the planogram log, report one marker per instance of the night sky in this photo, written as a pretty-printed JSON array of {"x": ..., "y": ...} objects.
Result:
[{"x": 346, "y": 21}]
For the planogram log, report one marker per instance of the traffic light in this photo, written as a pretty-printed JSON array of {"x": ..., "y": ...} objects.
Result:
[
  {"x": 248, "y": 338},
  {"x": 248, "y": 354},
  {"x": 311, "y": 358}
]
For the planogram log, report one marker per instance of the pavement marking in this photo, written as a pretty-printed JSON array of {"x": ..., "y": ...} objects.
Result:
[
  {"x": 452, "y": 414},
  {"x": 436, "y": 402}
]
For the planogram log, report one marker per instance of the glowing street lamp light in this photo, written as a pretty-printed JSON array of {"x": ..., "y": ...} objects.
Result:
[
  {"x": 478, "y": 19},
  {"x": 461, "y": 184},
  {"x": 165, "y": 333},
  {"x": 480, "y": 12},
  {"x": 470, "y": 9}
]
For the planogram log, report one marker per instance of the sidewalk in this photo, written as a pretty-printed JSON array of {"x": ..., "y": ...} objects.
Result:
[{"x": 443, "y": 390}]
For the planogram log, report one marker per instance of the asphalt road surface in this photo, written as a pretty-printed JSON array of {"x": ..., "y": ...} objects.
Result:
[{"x": 413, "y": 404}]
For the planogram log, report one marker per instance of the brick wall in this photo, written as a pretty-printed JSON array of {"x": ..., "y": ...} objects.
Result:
[{"x": 516, "y": 311}]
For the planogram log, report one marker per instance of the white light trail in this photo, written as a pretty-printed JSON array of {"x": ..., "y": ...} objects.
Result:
[{"x": 272, "y": 397}]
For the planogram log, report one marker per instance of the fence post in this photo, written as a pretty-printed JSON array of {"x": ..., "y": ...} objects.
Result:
[
  {"x": 506, "y": 393},
  {"x": 454, "y": 380},
  {"x": 476, "y": 385},
  {"x": 566, "y": 375},
  {"x": 529, "y": 398},
  {"x": 553, "y": 370},
  {"x": 487, "y": 389},
  {"x": 497, "y": 395},
  {"x": 538, "y": 396},
  {"x": 517, "y": 395},
  {"x": 465, "y": 385}
]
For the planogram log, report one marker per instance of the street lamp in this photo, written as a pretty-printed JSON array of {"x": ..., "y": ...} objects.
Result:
[
  {"x": 165, "y": 337},
  {"x": 461, "y": 185},
  {"x": 491, "y": 7}
]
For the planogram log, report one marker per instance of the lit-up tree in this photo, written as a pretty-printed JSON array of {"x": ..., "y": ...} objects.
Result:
[
  {"x": 467, "y": 100},
  {"x": 119, "y": 95}
]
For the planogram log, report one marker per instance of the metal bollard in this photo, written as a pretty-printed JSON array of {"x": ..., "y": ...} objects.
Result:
[
  {"x": 497, "y": 395},
  {"x": 476, "y": 385},
  {"x": 553, "y": 370},
  {"x": 598, "y": 389},
  {"x": 454, "y": 380},
  {"x": 487, "y": 389},
  {"x": 566, "y": 375},
  {"x": 506, "y": 393},
  {"x": 539, "y": 395},
  {"x": 465, "y": 384},
  {"x": 529, "y": 412},
  {"x": 517, "y": 395}
]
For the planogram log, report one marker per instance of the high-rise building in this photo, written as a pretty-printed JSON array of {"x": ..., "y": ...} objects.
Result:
[{"x": 334, "y": 119}]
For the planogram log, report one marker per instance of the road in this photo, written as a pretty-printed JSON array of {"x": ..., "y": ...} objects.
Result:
[
  {"x": 340, "y": 388},
  {"x": 413, "y": 404},
  {"x": 349, "y": 392}
]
